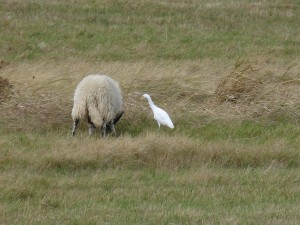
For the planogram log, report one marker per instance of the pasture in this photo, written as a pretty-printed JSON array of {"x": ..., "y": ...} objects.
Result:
[{"x": 227, "y": 72}]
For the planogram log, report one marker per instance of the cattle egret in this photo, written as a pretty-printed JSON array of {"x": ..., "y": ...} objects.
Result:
[{"x": 160, "y": 115}]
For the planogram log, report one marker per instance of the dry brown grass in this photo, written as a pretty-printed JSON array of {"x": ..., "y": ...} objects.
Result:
[
  {"x": 251, "y": 81},
  {"x": 255, "y": 87},
  {"x": 150, "y": 150},
  {"x": 36, "y": 101},
  {"x": 42, "y": 92}
]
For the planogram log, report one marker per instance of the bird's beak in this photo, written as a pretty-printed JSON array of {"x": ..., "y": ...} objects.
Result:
[{"x": 142, "y": 97}]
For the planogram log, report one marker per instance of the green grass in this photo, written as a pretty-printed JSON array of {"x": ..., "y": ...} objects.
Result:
[
  {"x": 151, "y": 30},
  {"x": 224, "y": 163},
  {"x": 50, "y": 177},
  {"x": 221, "y": 145},
  {"x": 202, "y": 196}
]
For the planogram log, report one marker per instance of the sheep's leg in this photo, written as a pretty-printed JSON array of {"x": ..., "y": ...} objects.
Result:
[
  {"x": 74, "y": 126},
  {"x": 91, "y": 129},
  {"x": 91, "y": 126},
  {"x": 103, "y": 130},
  {"x": 112, "y": 128}
]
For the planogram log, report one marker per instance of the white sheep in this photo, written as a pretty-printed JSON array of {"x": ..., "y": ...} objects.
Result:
[{"x": 98, "y": 99}]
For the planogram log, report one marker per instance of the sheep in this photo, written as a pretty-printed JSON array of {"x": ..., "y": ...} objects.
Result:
[{"x": 98, "y": 99}]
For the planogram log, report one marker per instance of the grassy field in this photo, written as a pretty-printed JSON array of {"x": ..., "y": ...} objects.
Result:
[
  {"x": 151, "y": 30},
  {"x": 227, "y": 72}
]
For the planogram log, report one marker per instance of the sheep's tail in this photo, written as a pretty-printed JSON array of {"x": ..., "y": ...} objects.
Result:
[{"x": 94, "y": 113}]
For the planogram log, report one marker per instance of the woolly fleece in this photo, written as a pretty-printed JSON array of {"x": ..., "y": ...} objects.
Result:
[{"x": 98, "y": 96}]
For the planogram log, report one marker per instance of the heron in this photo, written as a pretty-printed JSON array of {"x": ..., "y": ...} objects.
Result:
[{"x": 160, "y": 115}]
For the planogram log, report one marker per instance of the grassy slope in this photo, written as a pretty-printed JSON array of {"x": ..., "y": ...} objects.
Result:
[{"x": 216, "y": 167}]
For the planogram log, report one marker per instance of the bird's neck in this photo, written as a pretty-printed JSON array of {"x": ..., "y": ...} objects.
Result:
[{"x": 151, "y": 104}]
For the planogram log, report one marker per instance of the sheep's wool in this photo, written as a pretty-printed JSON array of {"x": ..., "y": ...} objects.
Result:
[{"x": 99, "y": 97}]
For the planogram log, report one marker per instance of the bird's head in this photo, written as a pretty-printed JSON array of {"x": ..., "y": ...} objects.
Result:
[{"x": 146, "y": 96}]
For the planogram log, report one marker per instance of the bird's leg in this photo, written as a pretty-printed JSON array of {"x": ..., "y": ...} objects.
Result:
[
  {"x": 112, "y": 127},
  {"x": 74, "y": 126},
  {"x": 91, "y": 126},
  {"x": 103, "y": 130},
  {"x": 158, "y": 124}
]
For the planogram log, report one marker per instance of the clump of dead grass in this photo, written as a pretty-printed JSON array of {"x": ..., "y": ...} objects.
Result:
[
  {"x": 254, "y": 88},
  {"x": 37, "y": 105},
  {"x": 244, "y": 83}
]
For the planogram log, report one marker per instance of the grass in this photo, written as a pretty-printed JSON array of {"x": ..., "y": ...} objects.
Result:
[
  {"x": 207, "y": 196},
  {"x": 150, "y": 30},
  {"x": 147, "y": 175},
  {"x": 149, "y": 179},
  {"x": 226, "y": 72},
  {"x": 203, "y": 195}
]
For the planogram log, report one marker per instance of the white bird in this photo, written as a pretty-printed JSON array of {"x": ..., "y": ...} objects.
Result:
[{"x": 160, "y": 115}]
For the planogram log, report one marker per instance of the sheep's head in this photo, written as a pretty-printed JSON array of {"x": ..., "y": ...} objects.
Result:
[{"x": 118, "y": 117}]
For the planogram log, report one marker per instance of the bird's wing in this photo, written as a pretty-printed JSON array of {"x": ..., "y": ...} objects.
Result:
[{"x": 163, "y": 117}]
